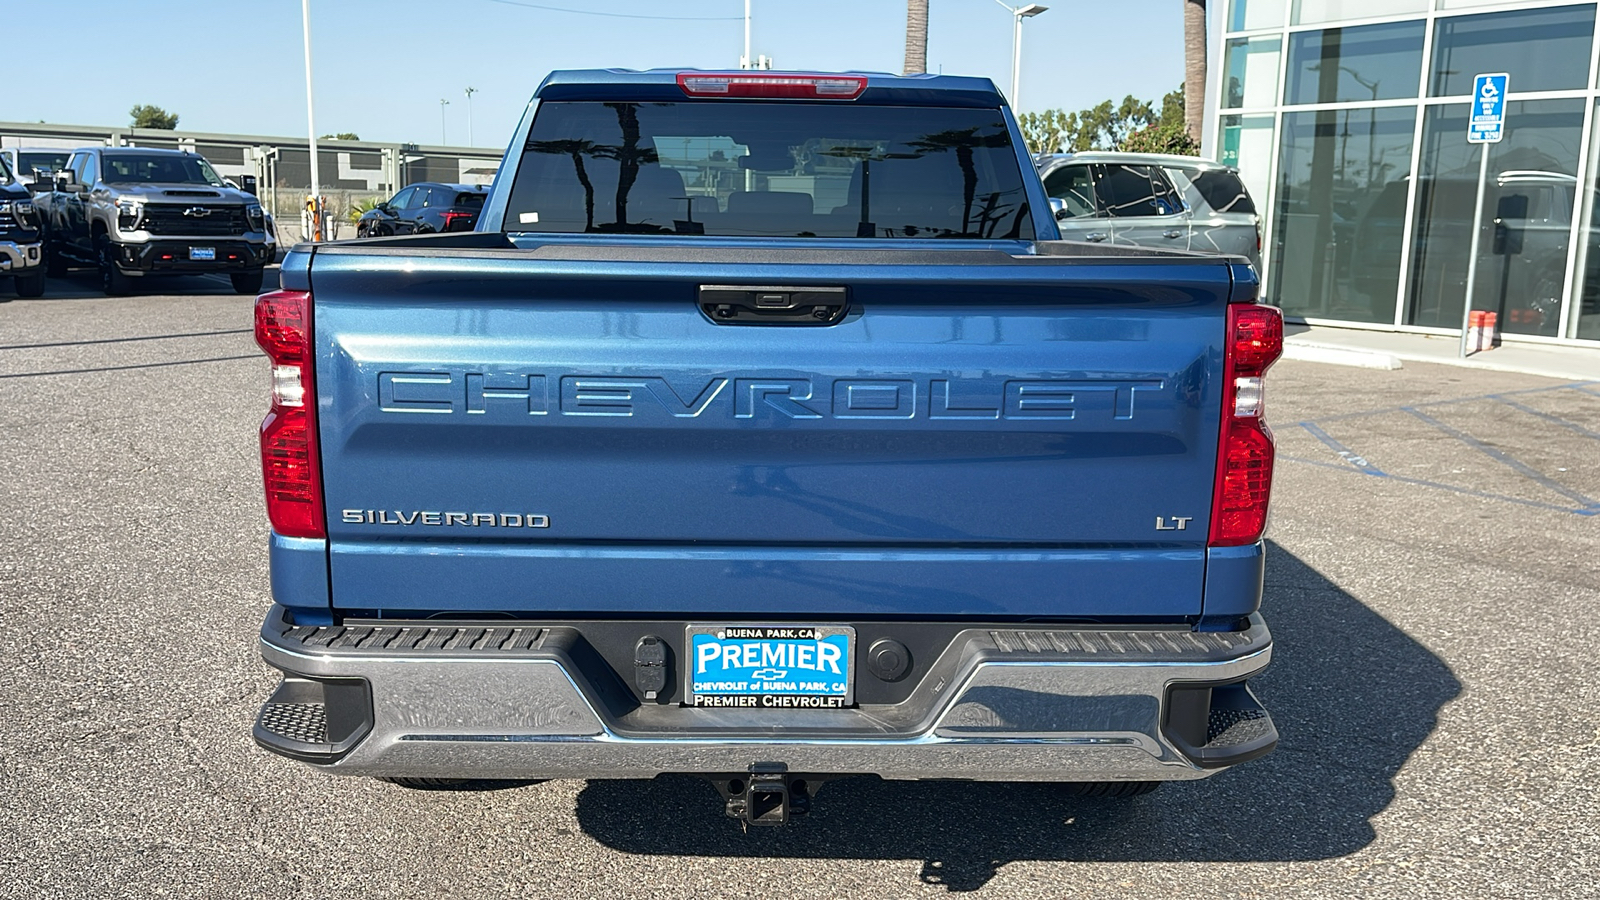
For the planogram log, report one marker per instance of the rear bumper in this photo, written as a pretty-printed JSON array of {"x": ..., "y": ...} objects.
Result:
[{"x": 524, "y": 700}]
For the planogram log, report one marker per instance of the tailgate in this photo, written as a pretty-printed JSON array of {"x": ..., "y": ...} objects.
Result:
[{"x": 982, "y": 435}]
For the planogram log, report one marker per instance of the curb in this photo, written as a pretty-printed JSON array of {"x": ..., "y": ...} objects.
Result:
[
  {"x": 1340, "y": 356},
  {"x": 1470, "y": 363},
  {"x": 1333, "y": 354}
]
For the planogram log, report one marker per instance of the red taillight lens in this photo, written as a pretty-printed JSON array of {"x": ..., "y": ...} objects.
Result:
[
  {"x": 1255, "y": 335},
  {"x": 289, "y": 453},
  {"x": 458, "y": 221},
  {"x": 283, "y": 326},
  {"x": 772, "y": 86},
  {"x": 1245, "y": 453}
]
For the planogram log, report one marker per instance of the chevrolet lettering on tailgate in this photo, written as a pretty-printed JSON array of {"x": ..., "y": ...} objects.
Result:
[{"x": 811, "y": 397}]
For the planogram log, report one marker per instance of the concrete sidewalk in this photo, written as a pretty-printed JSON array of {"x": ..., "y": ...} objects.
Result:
[{"x": 1386, "y": 350}]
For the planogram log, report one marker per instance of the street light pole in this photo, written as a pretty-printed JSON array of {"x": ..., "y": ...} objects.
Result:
[
  {"x": 1016, "y": 62},
  {"x": 470, "y": 92},
  {"x": 1018, "y": 13},
  {"x": 744, "y": 61},
  {"x": 444, "y": 136},
  {"x": 311, "y": 128}
]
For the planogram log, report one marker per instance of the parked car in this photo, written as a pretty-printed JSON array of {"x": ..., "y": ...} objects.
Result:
[
  {"x": 1153, "y": 200},
  {"x": 1524, "y": 238},
  {"x": 136, "y": 211},
  {"x": 35, "y": 165},
  {"x": 21, "y": 252},
  {"x": 765, "y": 430},
  {"x": 424, "y": 209}
]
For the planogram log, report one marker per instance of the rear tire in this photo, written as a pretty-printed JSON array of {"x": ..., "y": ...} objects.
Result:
[
  {"x": 462, "y": 784},
  {"x": 246, "y": 282},
  {"x": 1112, "y": 789},
  {"x": 113, "y": 280},
  {"x": 30, "y": 285}
]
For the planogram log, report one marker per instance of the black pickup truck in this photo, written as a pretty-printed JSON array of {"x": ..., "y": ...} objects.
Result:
[{"x": 21, "y": 255}]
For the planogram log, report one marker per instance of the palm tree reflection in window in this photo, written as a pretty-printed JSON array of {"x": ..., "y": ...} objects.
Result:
[
  {"x": 962, "y": 142},
  {"x": 628, "y": 155},
  {"x": 577, "y": 150}
]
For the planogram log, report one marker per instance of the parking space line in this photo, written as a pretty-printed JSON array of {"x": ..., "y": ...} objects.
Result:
[
  {"x": 1348, "y": 455},
  {"x": 176, "y": 362},
  {"x": 1505, "y": 458},
  {"x": 1548, "y": 417},
  {"x": 1449, "y": 487},
  {"x": 1584, "y": 386},
  {"x": 124, "y": 340}
]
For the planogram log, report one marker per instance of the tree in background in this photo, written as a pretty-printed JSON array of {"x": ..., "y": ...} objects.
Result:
[
  {"x": 1194, "y": 66},
  {"x": 916, "y": 37},
  {"x": 341, "y": 136},
  {"x": 1132, "y": 124},
  {"x": 147, "y": 116},
  {"x": 1168, "y": 134}
]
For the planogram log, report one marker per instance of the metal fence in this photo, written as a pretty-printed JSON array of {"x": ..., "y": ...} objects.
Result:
[{"x": 351, "y": 172}]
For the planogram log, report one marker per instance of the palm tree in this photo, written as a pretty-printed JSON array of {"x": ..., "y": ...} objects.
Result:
[
  {"x": 1194, "y": 66},
  {"x": 916, "y": 37}
]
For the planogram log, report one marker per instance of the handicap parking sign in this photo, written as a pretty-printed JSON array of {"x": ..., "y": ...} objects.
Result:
[{"x": 1486, "y": 124}]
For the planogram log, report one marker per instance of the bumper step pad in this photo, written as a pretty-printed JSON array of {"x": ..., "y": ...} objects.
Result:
[
  {"x": 304, "y": 723},
  {"x": 1219, "y": 726},
  {"x": 315, "y": 720}
]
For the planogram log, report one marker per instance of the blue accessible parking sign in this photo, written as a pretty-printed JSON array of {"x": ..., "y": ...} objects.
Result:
[{"x": 1488, "y": 120}]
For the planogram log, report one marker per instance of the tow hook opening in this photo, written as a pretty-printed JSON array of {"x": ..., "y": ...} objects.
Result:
[{"x": 767, "y": 795}]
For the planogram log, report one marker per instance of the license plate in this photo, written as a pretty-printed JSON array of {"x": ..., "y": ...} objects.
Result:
[
  {"x": 202, "y": 253},
  {"x": 771, "y": 666}
]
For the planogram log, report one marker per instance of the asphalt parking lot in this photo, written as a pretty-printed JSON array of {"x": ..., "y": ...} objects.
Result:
[{"x": 1433, "y": 588}]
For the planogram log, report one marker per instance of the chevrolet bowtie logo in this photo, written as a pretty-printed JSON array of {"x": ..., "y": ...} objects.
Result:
[
  {"x": 768, "y": 674},
  {"x": 198, "y": 212}
]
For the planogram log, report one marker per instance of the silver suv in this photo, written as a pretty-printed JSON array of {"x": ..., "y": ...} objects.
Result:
[
  {"x": 135, "y": 211},
  {"x": 1152, "y": 200}
]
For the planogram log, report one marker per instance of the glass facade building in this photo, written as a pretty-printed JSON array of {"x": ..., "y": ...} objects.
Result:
[{"x": 1348, "y": 120}]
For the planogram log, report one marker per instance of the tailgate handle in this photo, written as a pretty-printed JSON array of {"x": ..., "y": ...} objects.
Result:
[{"x": 739, "y": 304}]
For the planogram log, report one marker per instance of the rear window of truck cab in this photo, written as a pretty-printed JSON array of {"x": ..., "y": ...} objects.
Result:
[{"x": 766, "y": 169}]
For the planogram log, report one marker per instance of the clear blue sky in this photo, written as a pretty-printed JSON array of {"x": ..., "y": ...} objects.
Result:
[{"x": 383, "y": 65}]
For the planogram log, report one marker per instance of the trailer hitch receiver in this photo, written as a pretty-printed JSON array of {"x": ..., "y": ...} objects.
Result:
[{"x": 769, "y": 794}]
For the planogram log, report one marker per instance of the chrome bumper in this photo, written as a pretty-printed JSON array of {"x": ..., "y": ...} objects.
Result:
[
  {"x": 15, "y": 257},
  {"x": 999, "y": 705}
]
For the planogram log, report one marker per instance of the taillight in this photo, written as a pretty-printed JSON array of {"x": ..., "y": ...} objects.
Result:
[
  {"x": 452, "y": 217},
  {"x": 772, "y": 86},
  {"x": 1244, "y": 454},
  {"x": 289, "y": 433}
]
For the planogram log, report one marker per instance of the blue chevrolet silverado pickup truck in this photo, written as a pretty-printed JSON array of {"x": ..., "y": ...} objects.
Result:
[{"x": 765, "y": 430}]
